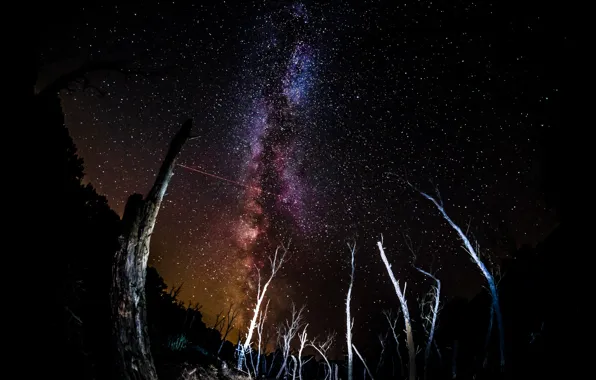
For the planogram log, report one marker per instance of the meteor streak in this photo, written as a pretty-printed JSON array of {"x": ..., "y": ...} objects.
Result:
[{"x": 223, "y": 179}]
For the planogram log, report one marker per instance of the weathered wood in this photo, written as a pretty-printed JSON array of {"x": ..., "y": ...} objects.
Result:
[{"x": 135, "y": 361}]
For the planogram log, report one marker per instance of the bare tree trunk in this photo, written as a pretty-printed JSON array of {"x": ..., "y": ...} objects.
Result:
[
  {"x": 363, "y": 362},
  {"x": 134, "y": 358},
  {"x": 302, "y": 336},
  {"x": 489, "y": 331},
  {"x": 431, "y": 319},
  {"x": 492, "y": 287},
  {"x": 276, "y": 264},
  {"x": 404, "y": 307},
  {"x": 349, "y": 319},
  {"x": 392, "y": 323}
]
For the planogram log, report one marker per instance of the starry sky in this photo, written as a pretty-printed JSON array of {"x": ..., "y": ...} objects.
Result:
[{"x": 307, "y": 116}]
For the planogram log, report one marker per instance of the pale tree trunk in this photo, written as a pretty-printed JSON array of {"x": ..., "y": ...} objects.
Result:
[
  {"x": 404, "y": 307},
  {"x": 492, "y": 287},
  {"x": 302, "y": 336},
  {"x": 349, "y": 319},
  {"x": 276, "y": 263},
  {"x": 134, "y": 358},
  {"x": 431, "y": 318},
  {"x": 288, "y": 331},
  {"x": 392, "y": 323},
  {"x": 363, "y": 362},
  {"x": 322, "y": 349}
]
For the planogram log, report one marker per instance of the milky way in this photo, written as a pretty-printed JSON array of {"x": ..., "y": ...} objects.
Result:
[
  {"x": 301, "y": 110},
  {"x": 274, "y": 202}
]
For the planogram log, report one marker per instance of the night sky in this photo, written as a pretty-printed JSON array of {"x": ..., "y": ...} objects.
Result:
[{"x": 312, "y": 113}]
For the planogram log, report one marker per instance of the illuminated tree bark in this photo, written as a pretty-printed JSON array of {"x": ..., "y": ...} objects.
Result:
[
  {"x": 260, "y": 325},
  {"x": 349, "y": 319},
  {"x": 276, "y": 263},
  {"x": 485, "y": 272},
  {"x": 322, "y": 349},
  {"x": 430, "y": 318},
  {"x": 392, "y": 323},
  {"x": 404, "y": 307},
  {"x": 288, "y": 331},
  {"x": 363, "y": 362},
  {"x": 302, "y": 336},
  {"x": 134, "y": 358}
]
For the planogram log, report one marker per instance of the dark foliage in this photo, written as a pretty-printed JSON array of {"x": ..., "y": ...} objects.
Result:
[{"x": 82, "y": 248}]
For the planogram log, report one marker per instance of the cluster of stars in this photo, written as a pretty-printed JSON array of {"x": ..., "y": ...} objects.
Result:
[{"x": 318, "y": 118}]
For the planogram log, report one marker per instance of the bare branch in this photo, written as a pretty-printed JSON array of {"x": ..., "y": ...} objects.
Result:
[
  {"x": 276, "y": 261},
  {"x": 230, "y": 318},
  {"x": 349, "y": 319},
  {"x": 303, "y": 341},
  {"x": 363, "y": 362},
  {"x": 322, "y": 349},
  {"x": 404, "y": 307},
  {"x": 288, "y": 331},
  {"x": 485, "y": 272},
  {"x": 383, "y": 341},
  {"x": 392, "y": 324}
]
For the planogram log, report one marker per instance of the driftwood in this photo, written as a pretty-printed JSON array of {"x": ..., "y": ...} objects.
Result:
[{"x": 134, "y": 358}]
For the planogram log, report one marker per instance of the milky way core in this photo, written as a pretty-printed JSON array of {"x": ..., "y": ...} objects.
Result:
[{"x": 273, "y": 202}]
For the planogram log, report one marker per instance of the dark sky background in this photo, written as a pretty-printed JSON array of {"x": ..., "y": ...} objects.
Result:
[{"x": 314, "y": 110}]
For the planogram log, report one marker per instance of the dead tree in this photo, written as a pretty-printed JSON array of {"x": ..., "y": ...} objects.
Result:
[
  {"x": 404, "y": 307},
  {"x": 392, "y": 323},
  {"x": 496, "y": 309},
  {"x": 287, "y": 331},
  {"x": 383, "y": 341},
  {"x": 129, "y": 268},
  {"x": 302, "y": 337},
  {"x": 193, "y": 310},
  {"x": 429, "y": 307},
  {"x": 260, "y": 325},
  {"x": 276, "y": 263},
  {"x": 219, "y": 320},
  {"x": 349, "y": 319},
  {"x": 294, "y": 367},
  {"x": 363, "y": 362},
  {"x": 229, "y": 320},
  {"x": 322, "y": 349}
]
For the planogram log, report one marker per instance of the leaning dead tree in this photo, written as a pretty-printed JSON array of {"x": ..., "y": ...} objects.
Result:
[
  {"x": 363, "y": 362},
  {"x": 276, "y": 263},
  {"x": 129, "y": 268},
  {"x": 349, "y": 319},
  {"x": 287, "y": 331},
  {"x": 404, "y": 307},
  {"x": 496, "y": 309}
]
